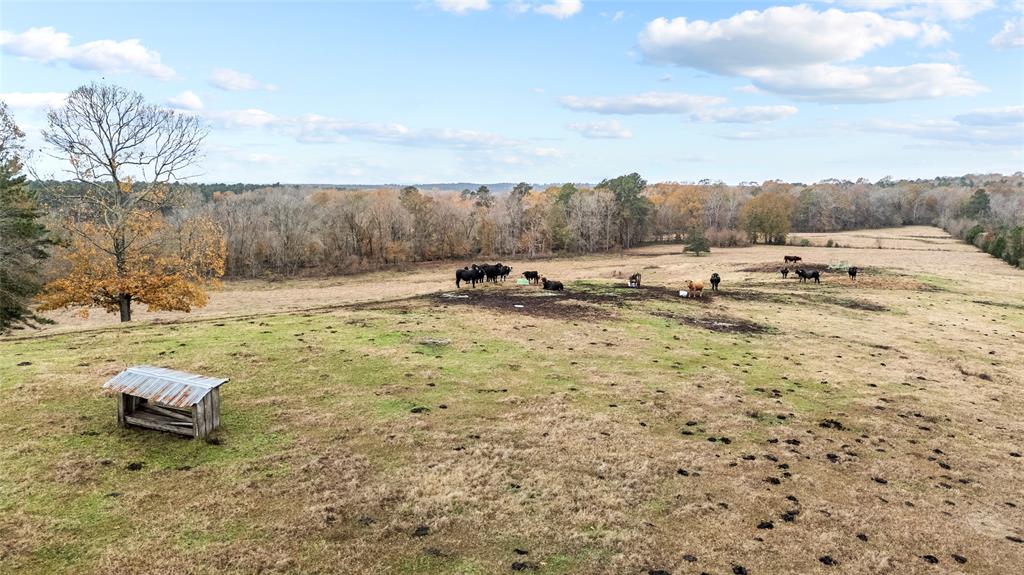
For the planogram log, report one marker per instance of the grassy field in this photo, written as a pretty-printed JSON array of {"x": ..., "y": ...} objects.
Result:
[{"x": 773, "y": 427}]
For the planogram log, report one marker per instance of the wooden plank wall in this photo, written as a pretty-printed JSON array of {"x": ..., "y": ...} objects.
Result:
[{"x": 205, "y": 415}]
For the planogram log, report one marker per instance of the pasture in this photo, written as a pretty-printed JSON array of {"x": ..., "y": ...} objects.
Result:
[{"x": 391, "y": 423}]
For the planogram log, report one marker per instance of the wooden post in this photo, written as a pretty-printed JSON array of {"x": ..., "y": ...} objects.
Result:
[
  {"x": 122, "y": 409},
  {"x": 215, "y": 407}
]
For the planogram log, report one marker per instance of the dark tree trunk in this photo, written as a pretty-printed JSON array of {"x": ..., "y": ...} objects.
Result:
[{"x": 125, "y": 303}]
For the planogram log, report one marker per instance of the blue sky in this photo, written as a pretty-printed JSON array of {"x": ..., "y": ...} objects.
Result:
[{"x": 547, "y": 91}]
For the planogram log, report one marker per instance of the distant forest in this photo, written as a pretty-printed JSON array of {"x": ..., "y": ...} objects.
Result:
[{"x": 284, "y": 230}]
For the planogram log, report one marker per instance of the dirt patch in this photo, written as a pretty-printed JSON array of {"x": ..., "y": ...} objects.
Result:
[
  {"x": 569, "y": 304},
  {"x": 719, "y": 323},
  {"x": 855, "y": 304},
  {"x": 776, "y": 267},
  {"x": 576, "y": 301},
  {"x": 999, "y": 304},
  {"x": 868, "y": 277},
  {"x": 800, "y": 297}
]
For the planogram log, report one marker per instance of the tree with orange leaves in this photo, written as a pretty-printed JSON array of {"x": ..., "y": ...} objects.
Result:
[
  {"x": 767, "y": 216},
  {"x": 124, "y": 153}
]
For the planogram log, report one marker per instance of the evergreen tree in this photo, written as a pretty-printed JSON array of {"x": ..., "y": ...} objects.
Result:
[
  {"x": 978, "y": 206},
  {"x": 23, "y": 240},
  {"x": 484, "y": 197},
  {"x": 632, "y": 208},
  {"x": 697, "y": 243}
]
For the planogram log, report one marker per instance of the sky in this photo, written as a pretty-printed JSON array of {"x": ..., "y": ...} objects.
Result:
[{"x": 545, "y": 91}]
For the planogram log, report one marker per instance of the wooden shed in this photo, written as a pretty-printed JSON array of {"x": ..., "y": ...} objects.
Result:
[{"x": 167, "y": 400}]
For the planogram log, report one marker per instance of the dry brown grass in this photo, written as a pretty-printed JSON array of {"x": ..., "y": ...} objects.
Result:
[{"x": 584, "y": 439}]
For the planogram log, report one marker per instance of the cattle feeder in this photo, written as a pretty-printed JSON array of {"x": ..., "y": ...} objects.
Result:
[{"x": 167, "y": 400}]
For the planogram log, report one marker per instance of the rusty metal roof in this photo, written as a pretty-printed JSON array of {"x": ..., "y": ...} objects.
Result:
[{"x": 166, "y": 386}]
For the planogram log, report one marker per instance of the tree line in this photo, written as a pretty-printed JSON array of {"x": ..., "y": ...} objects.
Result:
[
  {"x": 128, "y": 228},
  {"x": 295, "y": 231}
]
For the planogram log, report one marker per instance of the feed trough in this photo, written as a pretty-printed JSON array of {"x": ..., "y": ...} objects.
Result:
[{"x": 167, "y": 400}]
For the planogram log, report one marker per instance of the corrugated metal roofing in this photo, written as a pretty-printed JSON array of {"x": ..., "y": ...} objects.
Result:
[{"x": 166, "y": 386}]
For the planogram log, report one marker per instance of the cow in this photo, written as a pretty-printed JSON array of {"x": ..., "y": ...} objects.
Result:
[
  {"x": 492, "y": 271},
  {"x": 853, "y": 273},
  {"x": 793, "y": 259},
  {"x": 805, "y": 275},
  {"x": 532, "y": 277},
  {"x": 785, "y": 273},
  {"x": 634, "y": 280},
  {"x": 503, "y": 271},
  {"x": 695, "y": 289},
  {"x": 468, "y": 274},
  {"x": 715, "y": 280},
  {"x": 551, "y": 285}
]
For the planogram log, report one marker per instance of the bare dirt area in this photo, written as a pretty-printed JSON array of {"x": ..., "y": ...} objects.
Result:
[{"x": 391, "y": 423}]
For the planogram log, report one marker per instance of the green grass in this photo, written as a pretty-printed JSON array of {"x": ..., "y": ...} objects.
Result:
[{"x": 304, "y": 385}]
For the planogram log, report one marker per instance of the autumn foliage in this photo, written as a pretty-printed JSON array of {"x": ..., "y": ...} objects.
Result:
[
  {"x": 170, "y": 272},
  {"x": 767, "y": 216},
  {"x": 125, "y": 154}
]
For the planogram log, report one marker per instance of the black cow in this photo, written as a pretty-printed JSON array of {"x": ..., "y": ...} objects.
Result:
[
  {"x": 503, "y": 271},
  {"x": 468, "y": 274},
  {"x": 853, "y": 273},
  {"x": 550, "y": 285},
  {"x": 805, "y": 275},
  {"x": 491, "y": 271},
  {"x": 532, "y": 277},
  {"x": 785, "y": 273},
  {"x": 793, "y": 259},
  {"x": 715, "y": 279}
]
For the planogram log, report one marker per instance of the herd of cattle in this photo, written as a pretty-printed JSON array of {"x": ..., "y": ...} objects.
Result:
[
  {"x": 500, "y": 272},
  {"x": 805, "y": 275}
]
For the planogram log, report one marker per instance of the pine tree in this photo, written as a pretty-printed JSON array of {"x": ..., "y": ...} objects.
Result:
[
  {"x": 697, "y": 243},
  {"x": 23, "y": 240}
]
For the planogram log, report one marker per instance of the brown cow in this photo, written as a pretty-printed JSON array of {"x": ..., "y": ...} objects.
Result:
[{"x": 694, "y": 289}]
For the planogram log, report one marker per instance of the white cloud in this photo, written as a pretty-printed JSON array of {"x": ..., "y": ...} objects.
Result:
[
  {"x": 827, "y": 83},
  {"x": 1011, "y": 36},
  {"x": 456, "y": 138},
  {"x": 545, "y": 152},
  {"x": 665, "y": 78},
  {"x": 462, "y": 6},
  {"x": 235, "y": 81},
  {"x": 951, "y": 131},
  {"x": 779, "y": 37},
  {"x": 648, "y": 103},
  {"x": 777, "y": 134},
  {"x": 933, "y": 35},
  {"x": 745, "y": 115},
  {"x": 1005, "y": 116},
  {"x": 241, "y": 155},
  {"x": 518, "y": 7},
  {"x": 980, "y": 127},
  {"x": 561, "y": 9},
  {"x": 317, "y": 129},
  {"x": 250, "y": 118},
  {"x": 48, "y": 46},
  {"x": 795, "y": 51},
  {"x": 33, "y": 100},
  {"x": 926, "y": 9},
  {"x": 186, "y": 100},
  {"x": 609, "y": 129},
  {"x": 748, "y": 89}
]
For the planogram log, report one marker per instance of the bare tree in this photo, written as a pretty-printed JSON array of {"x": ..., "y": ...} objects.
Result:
[{"x": 124, "y": 153}]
